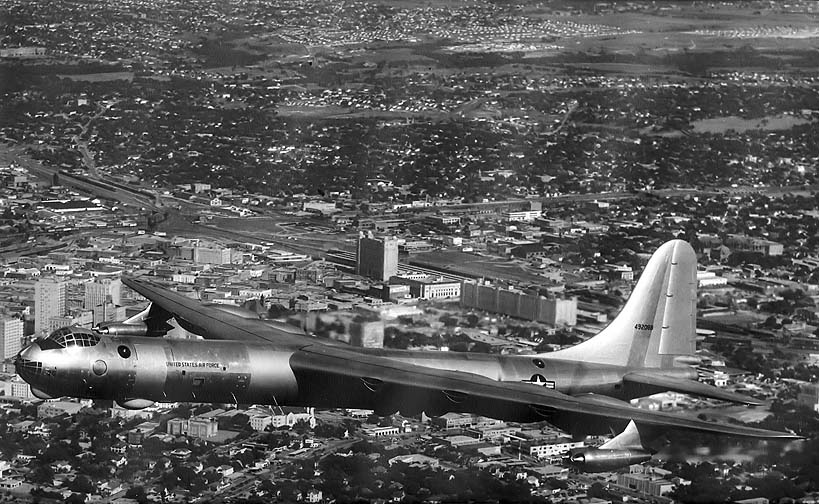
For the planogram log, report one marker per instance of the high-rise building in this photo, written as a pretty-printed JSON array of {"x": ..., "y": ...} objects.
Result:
[
  {"x": 76, "y": 317},
  {"x": 107, "y": 312},
  {"x": 49, "y": 301},
  {"x": 102, "y": 290},
  {"x": 11, "y": 337},
  {"x": 212, "y": 255},
  {"x": 377, "y": 258}
]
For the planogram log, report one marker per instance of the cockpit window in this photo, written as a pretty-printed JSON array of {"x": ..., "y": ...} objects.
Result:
[{"x": 67, "y": 337}]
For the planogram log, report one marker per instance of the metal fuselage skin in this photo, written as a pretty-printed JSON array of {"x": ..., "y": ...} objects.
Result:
[{"x": 128, "y": 368}]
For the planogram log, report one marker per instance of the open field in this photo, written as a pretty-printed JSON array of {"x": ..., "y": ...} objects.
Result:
[
  {"x": 738, "y": 124},
  {"x": 99, "y": 77},
  {"x": 474, "y": 265}
]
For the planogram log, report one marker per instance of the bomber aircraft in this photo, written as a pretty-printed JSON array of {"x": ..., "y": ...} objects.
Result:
[{"x": 240, "y": 358}]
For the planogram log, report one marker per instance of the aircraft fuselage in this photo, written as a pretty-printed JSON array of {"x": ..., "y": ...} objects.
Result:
[{"x": 136, "y": 371}]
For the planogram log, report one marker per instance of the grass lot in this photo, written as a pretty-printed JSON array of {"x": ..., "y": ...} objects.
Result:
[
  {"x": 99, "y": 77},
  {"x": 738, "y": 124}
]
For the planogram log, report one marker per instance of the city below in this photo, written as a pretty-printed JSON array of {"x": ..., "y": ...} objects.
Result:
[{"x": 469, "y": 177}]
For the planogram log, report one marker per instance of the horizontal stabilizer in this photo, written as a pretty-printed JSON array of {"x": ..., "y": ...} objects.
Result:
[{"x": 685, "y": 386}]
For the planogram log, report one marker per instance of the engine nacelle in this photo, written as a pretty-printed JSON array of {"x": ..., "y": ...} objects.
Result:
[
  {"x": 115, "y": 329},
  {"x": 135, "y": 404},
  {"x": 39, "y": 394},
  {"x": 596, "y": 460}
]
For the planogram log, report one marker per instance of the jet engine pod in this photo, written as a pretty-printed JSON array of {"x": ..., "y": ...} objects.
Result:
[
  {"x": 596, "y": 460},
  {"x": 39, "y": 394},
  {"x": 115, "y": 329},
  {"x": 135, "y": 404}
]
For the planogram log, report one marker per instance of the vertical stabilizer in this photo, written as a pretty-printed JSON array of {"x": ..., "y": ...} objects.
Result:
[
  {"x": 626, "y": 440},
  {"x": 658, "y": 321}
]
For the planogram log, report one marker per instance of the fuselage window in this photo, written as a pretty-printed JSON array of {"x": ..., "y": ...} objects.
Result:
[
  {"x": 124, "y": 351},
  {"x": 65, "y": 337}
]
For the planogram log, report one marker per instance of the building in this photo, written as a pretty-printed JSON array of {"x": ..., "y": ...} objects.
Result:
[
  {"x": 376, "y": 431},
  {"x": 11, "y": 337},
  {"x": 551, "y": 472},
  {"x": 50, "y": 409},
  {"x": 652, "y": 482},
  {"x": 203, "y": 255},
  {"x": 279, "y": 416},
  {"x": 10, "y": 483},
  {"x": 460, "y": 440},
  {"x": 16, "y": 387},
  {"x": 494, "y": 433},
  {"x": 377, "y": 258},
  {"x": 750, "y": 244},
  {"x": 198, "y": 427},
  {"x": 454, "y": 420},
  {"x": 181, "y": 454},
  {"x": 523, "y": 216},
  {"x": 617, "y": 272},
  {"x": 107, "y": 312},
  {"x": 22, "y": 52},
  {"x": 809, "y": 396},
  {"x": 416, "y": 460},
  {"x": 443, "y": 221},
  {"x": 522, "y": 304},
  {"x": 367, "y": 333},
  {"x": 81, "y": 318},
  {"x": 177, "y": 426},
  {"x": 430, "y": 287},
  {"x": 463, "y": 420},
  {"x": 102, "y": 290},
  {"x": 49, "y": 301},
  {"x": 313, "y": 496},
  {"x": 320, "y": 207},
  {"x": 545, "y": 448},
  {"x": 118, "y": 411},
  {"x": 707, "y": 279},
  {"x": 212, "y": 255},
  {"x": 202, "y": 427}
]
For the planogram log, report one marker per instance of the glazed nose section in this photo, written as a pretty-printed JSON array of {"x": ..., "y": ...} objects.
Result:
[{"x": 29, "y": 363}]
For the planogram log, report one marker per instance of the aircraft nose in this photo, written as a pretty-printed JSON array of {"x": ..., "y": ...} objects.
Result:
[{"x": 28, "y": 363}]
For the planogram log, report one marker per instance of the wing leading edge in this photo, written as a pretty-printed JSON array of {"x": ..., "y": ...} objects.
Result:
[
  {"x": 212, "y": 323},
  {"x": 330, "y": 376}
]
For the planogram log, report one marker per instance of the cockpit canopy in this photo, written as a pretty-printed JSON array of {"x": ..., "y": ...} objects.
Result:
[{"x": 69, "y": 336}]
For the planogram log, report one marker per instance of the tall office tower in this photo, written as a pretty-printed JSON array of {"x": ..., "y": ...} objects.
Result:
[
  {"x": 377, "y": 258},
  {"x": 102, "y": 290},
  {"x": 107, "y": 312},
  {"x": 49, "y": 301},
  {"x": 11, "y": 337}
]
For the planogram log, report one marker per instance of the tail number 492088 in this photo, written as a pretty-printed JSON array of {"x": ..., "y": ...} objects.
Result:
[{"x": 644, "y": 327}]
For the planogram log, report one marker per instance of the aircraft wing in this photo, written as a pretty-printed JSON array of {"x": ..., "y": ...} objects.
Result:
[
  {"x": 212, "y": 323},
  {"x": 686, "y": 386},
  {"x": 325, "y": 374}
]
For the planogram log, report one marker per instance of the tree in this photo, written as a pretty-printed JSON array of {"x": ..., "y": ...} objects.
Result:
[
  {"x": 136, "y": 492},
  {"x": 76, "y": 498},
  {"x": 81, "y": 484},
  {"x": 42, "y": 474},
  {"x": 153, "y": 445},
  {"x": 241, "y": 421},
  {"x": 169, "y": 480}
]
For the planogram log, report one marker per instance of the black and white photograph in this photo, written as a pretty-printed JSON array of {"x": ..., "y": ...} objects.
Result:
[{"x": 409, "y": 251}]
